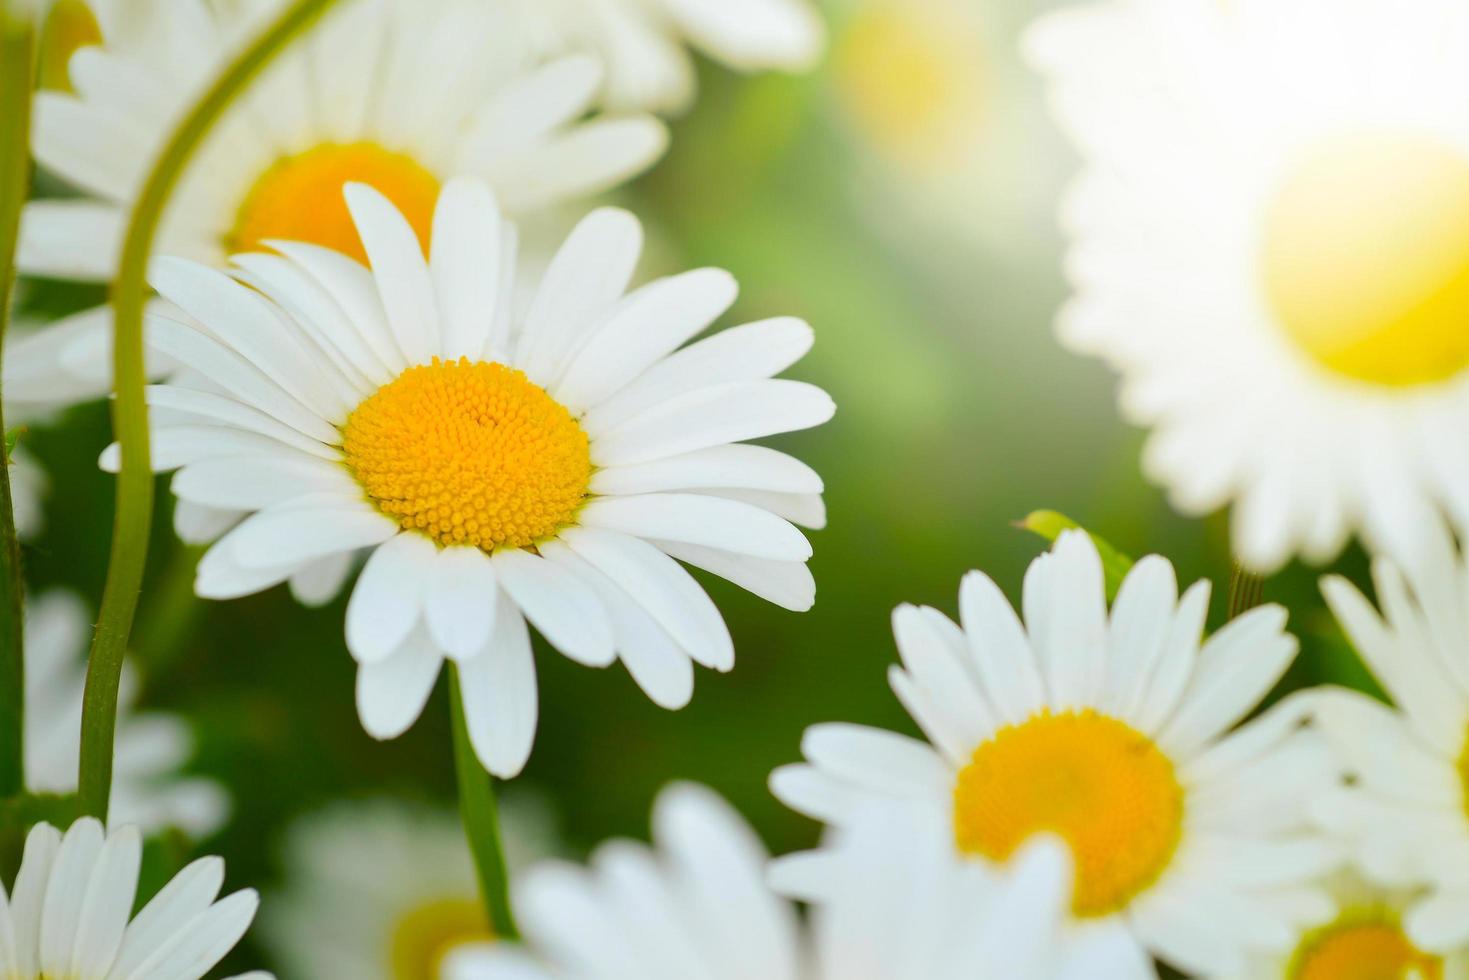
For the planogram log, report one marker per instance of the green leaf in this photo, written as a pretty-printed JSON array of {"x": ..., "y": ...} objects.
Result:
[
  {"x": 1049, "y": 524},
  {"x": 12, "y": 439}
]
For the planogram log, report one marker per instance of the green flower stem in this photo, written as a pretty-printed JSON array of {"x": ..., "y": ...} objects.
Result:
[
  {"x": 17, "y": 74},
  {"x": 1246, "y": 590},
  {"x": 130, "y": 411},
  {"x": 481, "y": 820}
]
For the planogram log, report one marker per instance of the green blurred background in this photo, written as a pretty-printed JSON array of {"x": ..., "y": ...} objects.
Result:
[{"x": 914, "y": 229}]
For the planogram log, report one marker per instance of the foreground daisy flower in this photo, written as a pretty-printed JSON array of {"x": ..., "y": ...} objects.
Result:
[
  {"x": 68, "y": 915},
  {"x": 1110, "y": 732},
  {"x": 697, "y": 905},
  {"x": 550, "y": 469},
  {"x": 1269, "y": 243},
  {"x": 382, "y": 890},
  {"x": 402, "y": 96},
  {"x": 147, "y": 790},
  {"x": 643, "y": 42},
  {"x": 1408, "y": 806}
]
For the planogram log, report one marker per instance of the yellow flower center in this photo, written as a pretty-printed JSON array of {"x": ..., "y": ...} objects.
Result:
[
  {"x": 469, "y": 453},
  {"x": 912, "y": 80},
  {"x": 70, "y": 26},
  {"x": 300, "y": 197},
  {"x": 1089, "y": 779},
  {"x": 1366, "y": 258},
  {"x": 424, "y": 937},
  {"x": 1362, "y": 950}
]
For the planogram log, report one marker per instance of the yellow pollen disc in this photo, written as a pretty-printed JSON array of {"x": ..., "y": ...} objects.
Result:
[
  {"x": 469, "y": 453},
  {"x": 69, "y": 27},
  {"x": 1363, "y": 951},
  {"x": 912, "y": 80},
  {"x": 1089, "y": 779},
  {"x": 1366, "y": 259},
  {"x": 424, "y": 937},
  {"x": 300, "y": 198}
]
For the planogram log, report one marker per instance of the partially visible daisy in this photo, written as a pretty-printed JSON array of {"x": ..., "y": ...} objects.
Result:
[
  {"x": 554, "y": 468},
  {"x": 696, "y": 904},
  {"x": 1114, "y": 732},
  {"x": 70, "y": 914},
  {"x": 402, "y": 96},
  {"x": 151, "y": 746},
  {"x": 1270, "y": 243},
  {"x": 1408, "y": 806},
  {"x": 643, "y": 43},
  {"x": 383, "y": 890}
]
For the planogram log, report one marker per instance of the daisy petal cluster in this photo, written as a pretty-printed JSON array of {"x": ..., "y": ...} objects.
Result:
[
  {"x": 552, "y": 468},
  {"x": 1114, "y": 730}
]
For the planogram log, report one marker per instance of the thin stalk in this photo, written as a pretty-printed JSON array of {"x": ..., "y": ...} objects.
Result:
[
  {"x": 17, "y": 73},
  {"x": 131, "y": 525},
  {"x": 481, "y": 820},
  {"x": 1246, "y": 590}
]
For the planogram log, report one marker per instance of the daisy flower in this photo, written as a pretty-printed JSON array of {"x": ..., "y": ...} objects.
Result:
[
  {"x": 402, "y": 96},
  {"x": 1268, "y": 242},
  {"x": 696, "y": 904},
  {"x": 1112, "y": 732},
  {"x": 147, "y": 790},
  {"x": 384, "y": 890},
  {"x": 68, "y": 915},
  {"x": 1408, "y": 805},
  {"x": 643, "y": 43},
  {"x": 554, "y": 467}
]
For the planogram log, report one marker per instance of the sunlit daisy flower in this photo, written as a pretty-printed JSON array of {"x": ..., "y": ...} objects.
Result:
[
  {"x": 382, "y": 890},
  {"x": 1268, "y": 242},
  {"x": 643, "y": 43},
  {"x": 1112, "y": 732},
  {"x": 151, "y": 746},
  {"x": 402, "y": 96},
  {"x": 1365, "y": 940},
  {"x": 1409, "y": 801},
  {"x": 69, "y": 913},
  {"x": 554, "y": 468},
  {"x": 696, "y": 904}
]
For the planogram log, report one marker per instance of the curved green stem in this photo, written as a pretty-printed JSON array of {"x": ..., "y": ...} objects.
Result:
[
  {"x": 17, "y": 73},
  {"x": 130, "y": 412},
  {"x": 481, "y": 820}
]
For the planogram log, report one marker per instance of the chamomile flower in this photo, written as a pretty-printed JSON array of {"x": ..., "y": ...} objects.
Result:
[
  {"x": 1408, "y": 806},
  {"x": 402, "y": 96},
  {"x": 383, "y": 890},
  {"x": 643, "y": 43},
  {"x": 150, "y": 747},
  {"x": 554, "y": 467},
  {"x": 71, "y": 912},
  {"x": 1268, "y": 242},
  {"x": 697, "y": 904},
  {"x": 1112, "y": 732}
]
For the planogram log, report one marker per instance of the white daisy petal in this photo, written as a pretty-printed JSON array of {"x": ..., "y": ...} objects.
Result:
[
  {"x": 499, "y": 691},
  {"x": 391, "y": 693},
  {"x": 465, "y": 266},
  {"x": 713, "y": 522},
  {"x": 460, "y": 599},
  {"x": 565, "y": 611},
  {"x": 402, "y": 276},
  {"x": 388, "y": 598},
  {"x": 788, "y": 584}
]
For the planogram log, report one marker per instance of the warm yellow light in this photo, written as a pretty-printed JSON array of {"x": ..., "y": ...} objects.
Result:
[
  {"x": 1363, "y": 951},
  {"x": 425, "y": 936}
]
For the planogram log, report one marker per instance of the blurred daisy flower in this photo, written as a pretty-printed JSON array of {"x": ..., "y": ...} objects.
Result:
[
  {"x": 1270, "y": 243},
  {"x": 1406, "y": 805},
  {"x": 68, "y": 915},
  {"x": 643, "y": 43},
  {"x": 402, "y": 96},
  {"x": 696, "y": 904},
  {"x": 1111, "y": 732},
  {"x": 150, "y": 747},
  {"x": 384, "y": 890},
  {"x": 555, "y": 467}
]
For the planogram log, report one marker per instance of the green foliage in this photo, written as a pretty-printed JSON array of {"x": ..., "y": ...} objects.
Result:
[{"x": 1049, "y": 524}]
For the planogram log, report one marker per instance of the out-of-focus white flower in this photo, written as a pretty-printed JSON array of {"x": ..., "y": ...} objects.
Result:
[
  {"x": 1270, "y": 243},
  {"x": 554, "y": 469},
  {"x": 1113, "y": 730},
  {"x": 150, "y": 746},
  {"x": 643, "y": 43},
  {"x": 70, "y": 914},
  {"x": 697, "y": 905},
  {"x": 384, "y": 890}
]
